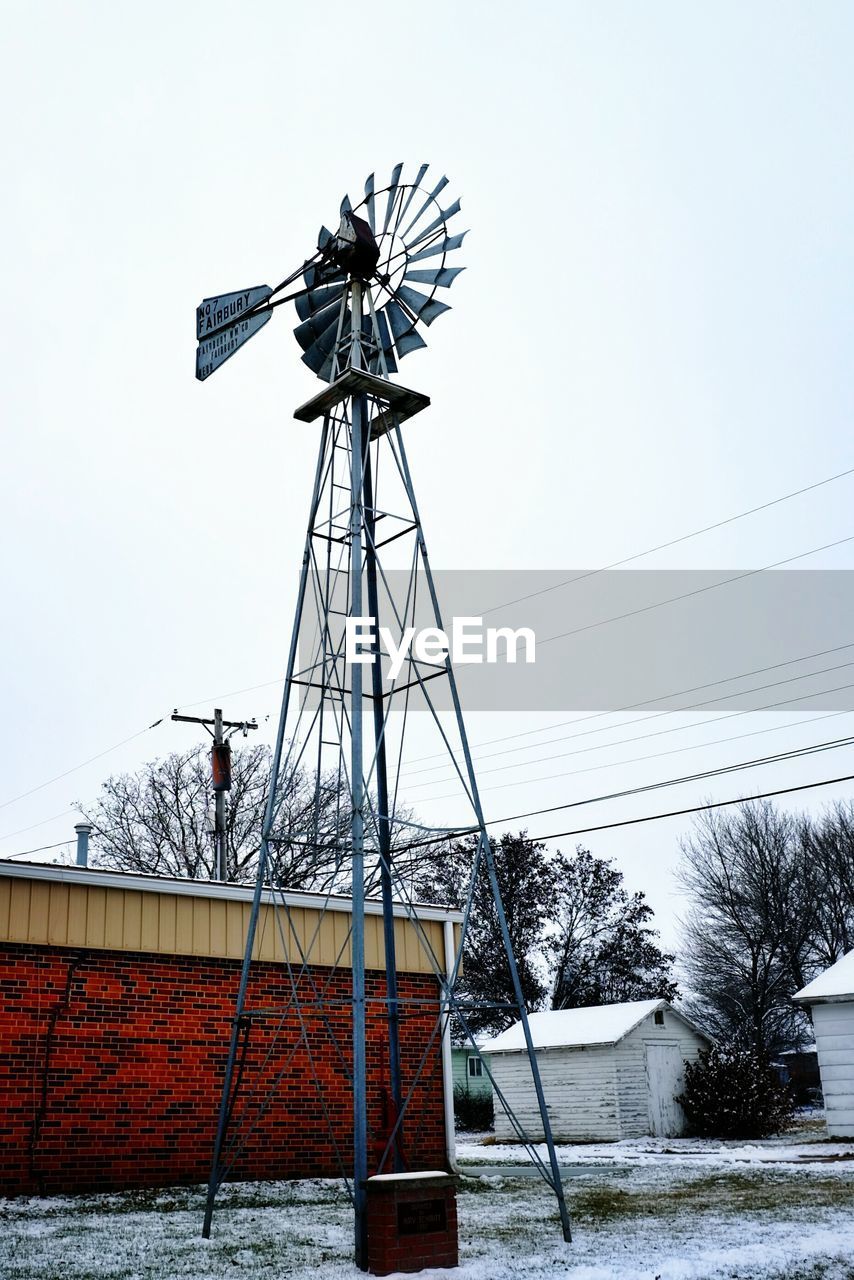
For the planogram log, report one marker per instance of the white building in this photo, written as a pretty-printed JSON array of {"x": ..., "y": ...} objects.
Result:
[
  {"x": 831, "y": 1001},
  {"x": 609, "y": 1072}
]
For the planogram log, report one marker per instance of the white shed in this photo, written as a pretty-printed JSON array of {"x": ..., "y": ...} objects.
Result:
[
  {"x": 609, "y": 1072},
  {"x": 831, "y": 1001}
]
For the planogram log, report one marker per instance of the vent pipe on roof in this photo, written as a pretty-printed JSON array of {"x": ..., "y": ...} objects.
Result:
[{"x": 83, "y": 830}]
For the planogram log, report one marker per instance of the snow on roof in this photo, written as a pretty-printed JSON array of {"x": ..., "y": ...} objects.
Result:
[
  {"x": 836, "y": 981},
  {"x": 564, "y": 1028}
]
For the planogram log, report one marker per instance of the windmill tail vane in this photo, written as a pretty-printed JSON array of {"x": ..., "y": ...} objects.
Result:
[{"x": 393, "y": 247}]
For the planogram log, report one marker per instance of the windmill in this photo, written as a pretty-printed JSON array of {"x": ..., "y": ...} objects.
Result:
[{"x": 363, "y": 301}]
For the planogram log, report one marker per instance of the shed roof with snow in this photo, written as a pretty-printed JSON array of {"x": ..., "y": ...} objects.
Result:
[
  {"x": 604, "y": 1024},
  {"x": 836, "y": 983},
  {"x": 610, "y": 1071},
  {"x": 831, "y": 1000}
]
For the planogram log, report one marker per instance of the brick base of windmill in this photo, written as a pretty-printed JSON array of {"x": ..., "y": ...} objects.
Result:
[{"x": 412, "y": 1222}]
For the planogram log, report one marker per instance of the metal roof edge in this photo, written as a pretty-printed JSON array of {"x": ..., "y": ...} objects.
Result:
[
  {"x": 214, "y": 889},
  {"x": 555, "y": 1048},
  {"x": 610, "y": 1044},
  {"x": 841, "y": 998}
]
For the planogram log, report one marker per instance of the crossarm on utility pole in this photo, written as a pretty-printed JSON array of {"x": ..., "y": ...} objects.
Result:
[{"x": 221, "y": 775}]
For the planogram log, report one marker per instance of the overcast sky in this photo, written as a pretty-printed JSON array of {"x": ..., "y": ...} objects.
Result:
[{"x": 653, "y": 333}]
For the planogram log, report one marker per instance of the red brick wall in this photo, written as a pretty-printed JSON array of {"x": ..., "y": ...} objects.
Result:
[{"x": 111, "y": 1065}]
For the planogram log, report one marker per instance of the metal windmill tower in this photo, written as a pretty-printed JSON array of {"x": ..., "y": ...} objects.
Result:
[{"x": 363, "y": 301}]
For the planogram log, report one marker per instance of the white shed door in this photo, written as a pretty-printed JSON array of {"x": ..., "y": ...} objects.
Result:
[{"x": 665, "y": 1081}]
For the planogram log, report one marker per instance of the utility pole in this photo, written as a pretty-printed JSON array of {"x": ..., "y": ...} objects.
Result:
[{"x": 220, "y": 774}]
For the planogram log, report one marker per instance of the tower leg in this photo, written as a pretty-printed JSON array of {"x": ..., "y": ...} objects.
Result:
[
  {"x": 222, "y": 1121},
  {"x": 383, "y": 824},
  {"x": 557, "y": 1182},
  {"x": 360, "y": 1112}
]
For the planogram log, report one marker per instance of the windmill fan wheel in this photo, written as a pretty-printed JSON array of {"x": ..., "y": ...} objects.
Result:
[{"x": 397, "y": 240}]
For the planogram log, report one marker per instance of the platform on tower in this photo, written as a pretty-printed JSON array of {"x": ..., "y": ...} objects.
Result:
[{"x": 400, "y": 402}]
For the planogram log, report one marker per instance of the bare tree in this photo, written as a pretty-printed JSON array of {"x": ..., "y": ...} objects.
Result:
[
  {"x": 828, "y": 850},
  {"x": 604, "y": 949},
  {"x": 159, "y": 821},
  {"x": 748, "y": 935},
  {"x": 525, "y": 880},
  {"x": 578, "y": 937}
]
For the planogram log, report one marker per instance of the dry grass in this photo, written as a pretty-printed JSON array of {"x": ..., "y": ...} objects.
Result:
[{"x": 725, "y": 1192}]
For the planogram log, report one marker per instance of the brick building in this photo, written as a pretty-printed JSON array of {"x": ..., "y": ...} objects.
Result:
[{"x": 116, "y": 999}]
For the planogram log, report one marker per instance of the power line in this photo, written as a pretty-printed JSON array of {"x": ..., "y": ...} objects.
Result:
[
  {"x": 63, "y": 844},
  {"x": 633, "y": 706},
  {"x": 663, "y": 546},
  {"x": 66, "y": 813},
  {"x": 653, "y": 755},
  {"x": 698, "y": 591},
  {"x": 221, "y": 697},
  {"x": 796, "y": 753},
  {"x": 699, "y": 808},
  {"x": 74, "y": 768},
  {"x": 674, "y": 813},
  {"x": 615, "y": 564},
  {"x": 567, "y": 582},
  {"x": 641, "y": 737}
]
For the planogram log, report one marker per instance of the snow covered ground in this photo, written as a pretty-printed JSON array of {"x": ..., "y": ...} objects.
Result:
[
  {"x": 807, "y": 1145},
  {"x": 642, "y": 1210}
]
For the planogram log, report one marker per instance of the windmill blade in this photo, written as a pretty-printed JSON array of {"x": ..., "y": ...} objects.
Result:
[
  {"x": 444, "y": 277},
  {"x": 310, "y": 330},
  {"x": 369, "y": 203},
  {"x": 392, "y": 194},
  {"x": 346, "y": 206},
  {"x": 440, "y": 186},
  {"x": 322, "y": 348},
  {"x": 324, "y": 370},
  {"x": 403, "y": 329},
  {"x": 386, "y": 343},
  {"x": 317, "y": 299},
  {"x": 415, "y": 186},
  {"x": 444, "y": 216},
  {"x": 324, "y": 238},
  {"x": 325, "y": 273},
  {"x": 424, "y": 307},
  {"x": 441, "y": 246}
]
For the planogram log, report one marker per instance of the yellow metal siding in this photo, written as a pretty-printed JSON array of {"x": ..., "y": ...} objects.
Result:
[
  {"x": 217, "y": 929},
  {"x": 57, "y": 915},
  {"x": 133, "y": 921},
  {"x": 167, "y": 912},
  {"x": 96, "y": 914},
  {"x": 40, "y": 909},
  {"x": 233, "y": 930},
  {"x": 114, "y": 927},
  {"x": 43, "y": 912},
  {"x": 19, "y": 911},
  {"x": 150, "y": 922},
  {"x": 77, "y": 898}
]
